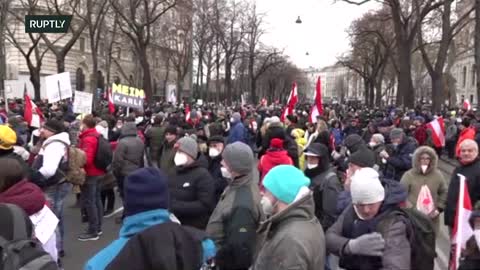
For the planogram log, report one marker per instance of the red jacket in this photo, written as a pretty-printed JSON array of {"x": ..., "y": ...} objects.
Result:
[
  {"x": 271, "y": 159},
  {"x": 468, "y": 133},
  {"x": 420, "y": 134},
  {"x": 88, "y": 142}
]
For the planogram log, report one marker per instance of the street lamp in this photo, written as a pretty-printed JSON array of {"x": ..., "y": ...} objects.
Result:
[{"x": 299, "y": 21}]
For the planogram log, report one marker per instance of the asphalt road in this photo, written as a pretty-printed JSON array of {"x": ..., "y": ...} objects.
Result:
[{"x": 77, "y": 252}]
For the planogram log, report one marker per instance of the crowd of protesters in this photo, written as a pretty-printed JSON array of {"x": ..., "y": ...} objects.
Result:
[{"x": 241, "y": 187}]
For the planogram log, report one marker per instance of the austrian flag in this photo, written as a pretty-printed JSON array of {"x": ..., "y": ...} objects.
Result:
[{"x": 437, "y": 127}]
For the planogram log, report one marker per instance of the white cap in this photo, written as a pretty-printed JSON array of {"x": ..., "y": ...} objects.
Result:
[{"x": 366, "y": 187}]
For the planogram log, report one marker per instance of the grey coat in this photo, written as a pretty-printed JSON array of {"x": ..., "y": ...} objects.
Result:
[
  {"x": 396, "y": 254},
  {"x": 128, "y": 155},
  {"x": 293, "y": 239}
]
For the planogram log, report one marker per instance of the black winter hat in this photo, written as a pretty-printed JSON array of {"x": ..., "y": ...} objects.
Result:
[
  {"x": 54, "y": 126},
  {"x": 364, "y": 157},
  {"x": 353, "y": 140},
  {"x": 216, "y": 139},
  {"x": 146, "y": 189},
  {"x": 171, "y": 130},
  {"x": 292, "y": 118}
]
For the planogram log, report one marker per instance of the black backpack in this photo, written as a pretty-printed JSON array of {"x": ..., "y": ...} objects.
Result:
[
  {"x": 421, "y": 235},
  {"x": 23, "y": 253},
  {"x": 104, "y": 155}
]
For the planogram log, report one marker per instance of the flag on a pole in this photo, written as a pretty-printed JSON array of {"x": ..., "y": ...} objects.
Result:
[
  {"x": 187, "y": 114},
  {"x": 291, "y": 102},
  {"x": 317, "y": 108},
  {"x": 462, "y": 231},
  {"x": 111, "y": 106},
  {"x": 466, "y": 105},
  {"x": 437, "y": 127},
  {"x": 32, "y": 114}
]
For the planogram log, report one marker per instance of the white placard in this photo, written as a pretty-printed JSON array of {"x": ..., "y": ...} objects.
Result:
[
  {"x": 82, "y": 103},
  {"x": 45, "y": 222},
  {"x": 199, "y": 102},
  {"x": 172, "y": 93},
  {"x": 58, "y": 87}
]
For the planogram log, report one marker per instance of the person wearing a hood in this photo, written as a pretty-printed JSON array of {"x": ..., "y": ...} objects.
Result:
[
  {"x": 357, "y": 237},
  {"x": 291, "y": 237},
  {"x": 276, "y": 130},
  {"x": 16, "y": 189},
  {"x": 466, "y": 133},
  {"x": 154, "y": 137},
  {"x": 128, "y": 155},
  {"x": 146, "y": 205},
  {"x": 234, "y": 221},
  {"x": 471, "y": 254},
  {"x": 91, "y": 189},
  {"x": 191, "y": 187},
  {"x": 167, "y": 151},
  {"x": 50, "y": 166},
  {"x": 238, "y": 132},
  {"x": 377, "y": 145},
  {"x": 8, "y": 139},
  {"x": 470, "y": 168},
  {"x": 298, "y": 135},
  {"x": 275, "y": 155},
  {"x": 324, "y": 183},
  {"x": 399, "y": 160},
  {"x": 425, "y": 184},
  {"x": 420, "y": 131},
  {"x": 216, "y": 145}
]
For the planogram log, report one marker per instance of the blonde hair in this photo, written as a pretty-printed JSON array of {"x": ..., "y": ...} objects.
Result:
[{"x": 321, "y": 126}]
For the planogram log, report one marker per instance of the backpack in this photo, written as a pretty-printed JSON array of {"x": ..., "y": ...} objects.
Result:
[
  {"x": 76, "y": 160},
  {"x": 421, "y": 235},
  {"x": 104, "y": 155},
  {"x": 23, "y": 253}
]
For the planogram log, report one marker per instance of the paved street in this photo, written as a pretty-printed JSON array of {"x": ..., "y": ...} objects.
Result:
[{"x": 77, "y": 253}]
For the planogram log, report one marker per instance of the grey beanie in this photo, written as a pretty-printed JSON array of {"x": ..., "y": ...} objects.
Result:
[
  {"x": 236, "y": 116},
  {"x": 189, "y": 146},
  {"x": 396, "y": 133},
  {"x": 239, "y": 157}
]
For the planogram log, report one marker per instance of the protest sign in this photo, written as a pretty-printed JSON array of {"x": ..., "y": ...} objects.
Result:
[
  {"x": 82, "y": 103},
  {"x": 58, "y": 87},
  {"x": 128, "y": 96},
  {"x": 172, "y": 93}
]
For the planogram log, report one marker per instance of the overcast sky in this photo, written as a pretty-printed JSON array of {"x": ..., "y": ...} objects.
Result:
[{"x": 322, "y": 33}]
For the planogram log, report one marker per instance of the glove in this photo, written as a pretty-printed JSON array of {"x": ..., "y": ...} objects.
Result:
[{"x": 371, "y": 244}]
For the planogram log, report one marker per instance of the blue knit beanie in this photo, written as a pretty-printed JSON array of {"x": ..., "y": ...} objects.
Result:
[
  {"x": 145, "y": 189},
  {"x": 284, "y": 182}
]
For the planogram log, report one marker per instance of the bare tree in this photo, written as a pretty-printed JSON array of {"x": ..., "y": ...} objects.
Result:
[
  {"x": 76, "y": 28},
  {"x": 33, "y": 52},
  {"x": 448, "y": 32},
  {"x": 203, "y": 37},
  {"x": 136, "y": 20}
]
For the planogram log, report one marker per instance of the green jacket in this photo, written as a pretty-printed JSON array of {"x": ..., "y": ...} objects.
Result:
[{"x": 155, "y": 137}]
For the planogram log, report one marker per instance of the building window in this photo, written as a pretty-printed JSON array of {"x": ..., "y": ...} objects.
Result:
[
  {"x": 464, "y": 76},
  {"x": 82, "y": 44},
  {"x": 474, "y": 71}
]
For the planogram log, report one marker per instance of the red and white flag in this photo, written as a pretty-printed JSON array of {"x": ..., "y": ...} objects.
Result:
[
  {"x": 111, "y": 106},
  {"x": 462, "y": 231},
  {"x": 291, "y": 102},
  {"x": 437, "y": 127},
  {"x": 466, "y": 105},
  {"x": 317, "y": 108},
  {"x": 263, "y": 102},
  {"x": 187, "y": 114},
  {"x": 32, "y": 114}
]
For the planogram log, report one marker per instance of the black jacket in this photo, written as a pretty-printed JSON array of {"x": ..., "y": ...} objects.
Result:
[
  {"x": 167, "y": 246},
  {"x": 400, "y": 160},
  {"x": 214, "y": 167},
  {"x": 472, "y": 174},
  {"x": 192, "y": 195},
  {"x": 277, "y": 131}
]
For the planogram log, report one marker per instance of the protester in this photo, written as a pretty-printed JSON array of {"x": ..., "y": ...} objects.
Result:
[
  {"x": 399, "y": 160},
  {"x": 355, "y": 236},
  {"x": 167, "y": 151},
  {"x": 154, "y": 137},
  {"x": 238, "y": 132},
  {"x": 466, "y": 133},
  {"x": 377, "y": 144},
  {"x": 425, "y": 184},
  {"x": 8, "y": 139},
  {"x": 291, "y": 123},
  {"x": 234, "y": 221},
  {"x": 275, "y": 155},
  {"x": 420, "y": 131},
  {"x": 216, "y": 145},
  {"x": 292, "y": 237},
  {"x": 298, "y": 135},
  {"x": 191, "y": 187}
]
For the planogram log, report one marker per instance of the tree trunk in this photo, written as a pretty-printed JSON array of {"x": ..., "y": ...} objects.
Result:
[
  {"x": 405, "y": 84},
  {"x": 366, "y": 86},
  {"x": 477, "y": 48},
  {"x": 228, "y": 81},
  {"x": 437, "y": 91},
  {"x": 147, "y": 79},
  {"x": 378, "y": 94},
  {"x": 35, "y": 80},
  {"x": 60, "y": 63}
]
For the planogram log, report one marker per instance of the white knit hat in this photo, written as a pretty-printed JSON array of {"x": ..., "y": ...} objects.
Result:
[{"x": 366, "y": 187}]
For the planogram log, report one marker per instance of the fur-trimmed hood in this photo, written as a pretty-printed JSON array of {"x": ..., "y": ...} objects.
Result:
[{"x": 416, "y": 159}]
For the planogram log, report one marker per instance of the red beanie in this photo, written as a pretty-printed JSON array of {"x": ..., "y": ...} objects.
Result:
[{"x": 276, "y": 143}]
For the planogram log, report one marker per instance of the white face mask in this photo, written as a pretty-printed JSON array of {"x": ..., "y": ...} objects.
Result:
[
  {"x": 225, "y": 173},
  {"x": 424, "y": 168},
  {"x": 311, "y": 166},
  {"x": 213, "y": 152},
  {"x": 232, "y": 120},
  {"x": 348, "y": 153},
  {"x": 180, "y": 159},
  {"x": 267, "y": 206},
  {"x": 372, "y": 144},
  {"x": 476, "y": 233}
]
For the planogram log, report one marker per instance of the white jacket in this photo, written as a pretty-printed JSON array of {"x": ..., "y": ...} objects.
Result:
[{"x": 52, "y": 153}]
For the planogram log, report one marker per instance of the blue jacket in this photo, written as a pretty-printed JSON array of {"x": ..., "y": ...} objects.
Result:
[
  {"x": 131, "y": 226},
  {"x": 238, "y": 133},
  {"x": 401, "y": 160}
]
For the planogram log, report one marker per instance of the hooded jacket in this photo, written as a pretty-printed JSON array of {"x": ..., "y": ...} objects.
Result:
[
  {"x": 326, "y": 188},
  {"x": 299, "y": 135},
  {"x": 214, "y": 168},
  {"x": 167, "y": 155},
  {"x": 275, "y": 130},
  {"x": 414, "y": 179},
  {"x": 155, "y": 137},
  {"x": 397, "y": 250},
  {"x": 192, "y": 194},
  {"x": 292, "y": 239},
  {"x": 128, "y": 155},
  {"x": 400, "y": 160},
  {"x": 273, "y": 157},
  {"x": 89, "y": 144},
  {"x": 238, "y": 133}
]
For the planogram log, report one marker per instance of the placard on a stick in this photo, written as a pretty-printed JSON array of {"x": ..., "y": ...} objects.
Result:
[{"x": 58, "y": 86}]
